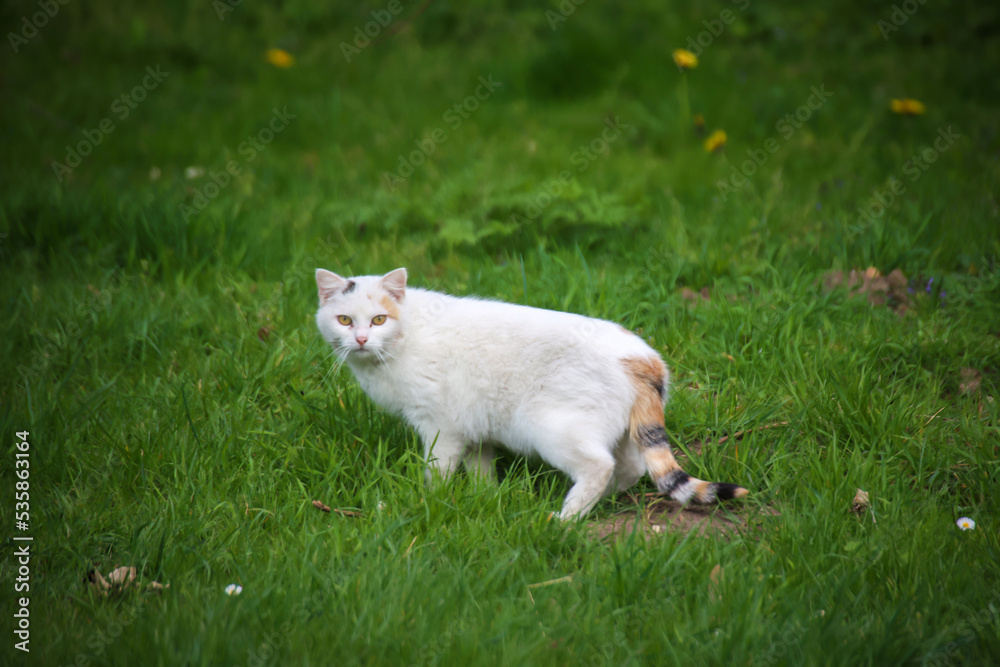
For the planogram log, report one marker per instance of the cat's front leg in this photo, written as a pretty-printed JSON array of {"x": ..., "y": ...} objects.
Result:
[
  {"x": 479, "y": 461},
  {"x": 443, "y": 454}
]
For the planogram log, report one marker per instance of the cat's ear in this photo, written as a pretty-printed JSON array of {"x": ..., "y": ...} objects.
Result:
[
  {"x": 329, "y": 283},
  {"x": 394, "y": 283}
]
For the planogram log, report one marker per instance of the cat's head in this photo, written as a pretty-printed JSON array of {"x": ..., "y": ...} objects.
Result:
[{"x": 360, "y": 317}]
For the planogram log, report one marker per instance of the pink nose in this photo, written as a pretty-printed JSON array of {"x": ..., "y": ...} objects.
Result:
[{"x": 361, "y": 340}]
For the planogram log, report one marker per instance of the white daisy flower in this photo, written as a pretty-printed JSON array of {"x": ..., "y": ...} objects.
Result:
[
  {"x": 234, "y": 589},
  {"x": 965, "y": 523}
]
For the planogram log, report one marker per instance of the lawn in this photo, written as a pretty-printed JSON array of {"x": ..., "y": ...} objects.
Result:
[{"x": 823, "y": 283}]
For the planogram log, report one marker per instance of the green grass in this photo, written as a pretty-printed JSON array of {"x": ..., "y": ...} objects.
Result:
[{"x": 184, "y": 412}]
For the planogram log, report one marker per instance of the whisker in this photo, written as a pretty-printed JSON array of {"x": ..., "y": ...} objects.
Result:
[{"x": 341, "y": 352}]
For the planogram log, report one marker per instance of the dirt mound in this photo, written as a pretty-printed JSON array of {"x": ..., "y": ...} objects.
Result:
[{"x": 660, "y": 515}]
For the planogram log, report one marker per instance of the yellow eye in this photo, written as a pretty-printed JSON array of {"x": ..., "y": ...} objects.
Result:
[
  {"x": 344, "y": 319},
  {"x": 378, "y": 319}
]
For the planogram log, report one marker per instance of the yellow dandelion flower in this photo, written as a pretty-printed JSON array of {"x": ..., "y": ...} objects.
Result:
[
  {"x": 280, "y": 58},
  {"x": 965, "y": 523},
  {"x": 685, "y": 59},
  {"x": 908, "y": 107},
  {"x": 716, "y": 141}
]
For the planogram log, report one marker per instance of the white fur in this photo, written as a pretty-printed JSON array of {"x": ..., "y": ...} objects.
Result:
[{"x": 466, "y": 372}]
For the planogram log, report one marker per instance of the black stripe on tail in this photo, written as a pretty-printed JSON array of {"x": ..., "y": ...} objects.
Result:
[
  {"x": 672, "y": 481},
  {"x": 652, "y": 436},
  {"x": 727, "y": 491}
]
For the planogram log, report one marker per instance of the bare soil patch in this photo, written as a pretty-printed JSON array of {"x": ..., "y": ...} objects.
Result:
[{"x": 660, "y": 515}]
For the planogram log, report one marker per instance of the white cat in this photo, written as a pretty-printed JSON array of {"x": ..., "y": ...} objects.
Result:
[{"x": 585, "y": 395}]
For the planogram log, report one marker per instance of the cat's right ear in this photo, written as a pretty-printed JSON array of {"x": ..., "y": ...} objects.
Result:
[
  {"x": 329, "y": 283},
  {"x": 394, "y": 283}
]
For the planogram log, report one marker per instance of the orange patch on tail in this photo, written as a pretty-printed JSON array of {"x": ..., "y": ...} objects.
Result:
[
  {"x": 645, "y": 371},
  {"x": 660, "y": 462},
  {"x": 647, "y": 378}
]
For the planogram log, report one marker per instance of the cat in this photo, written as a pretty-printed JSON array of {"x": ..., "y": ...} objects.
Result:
[{"x": 585, "y": 395}]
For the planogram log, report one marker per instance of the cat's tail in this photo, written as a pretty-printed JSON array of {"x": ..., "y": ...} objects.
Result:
[{"x": 646, "y": 430}]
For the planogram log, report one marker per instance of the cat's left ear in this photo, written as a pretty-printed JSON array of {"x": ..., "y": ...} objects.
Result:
[
  {"x": 394, "y": 283},
  {"x": 329, "y": 283}
]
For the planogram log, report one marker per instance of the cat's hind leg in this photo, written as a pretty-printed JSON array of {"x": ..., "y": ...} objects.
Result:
[
  {"x": 591, "y": 478},
  {"x": 578, "y": 443},
  {"x": 629, "y": 466},
  {"x": 588, "y": 462}
]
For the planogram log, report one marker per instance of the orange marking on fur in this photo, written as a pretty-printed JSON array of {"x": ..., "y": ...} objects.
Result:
[
  {"x": 647, "y": 378},
  {"x": 701, "y": 490},
  {"x": 660, "y": 462},
  {"x": 646, "y": 371},
  {"x": 391, "y": 307}
]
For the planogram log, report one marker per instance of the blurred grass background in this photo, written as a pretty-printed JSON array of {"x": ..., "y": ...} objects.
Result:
[{"x": 158, "y": 342}]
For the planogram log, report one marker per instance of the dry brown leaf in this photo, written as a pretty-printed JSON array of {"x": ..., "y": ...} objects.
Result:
[
  {"x": 264, "y": 333},
  {"x": 897, "y": 281},
  {"x": 119, "y": 579},
  {"x": 318, "y": 504},
  {"x": 346, "y": 512},
  {"x": 122, "y": 576},
  {"x": 860, "y": 503},
  {"x": 832, "y": 280},
  {"x": 880, "y": 290},
  {"x": 692, "y": 296},
  {"x": 99, "y": 582},
  {"x": 971, "y": 379}
]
